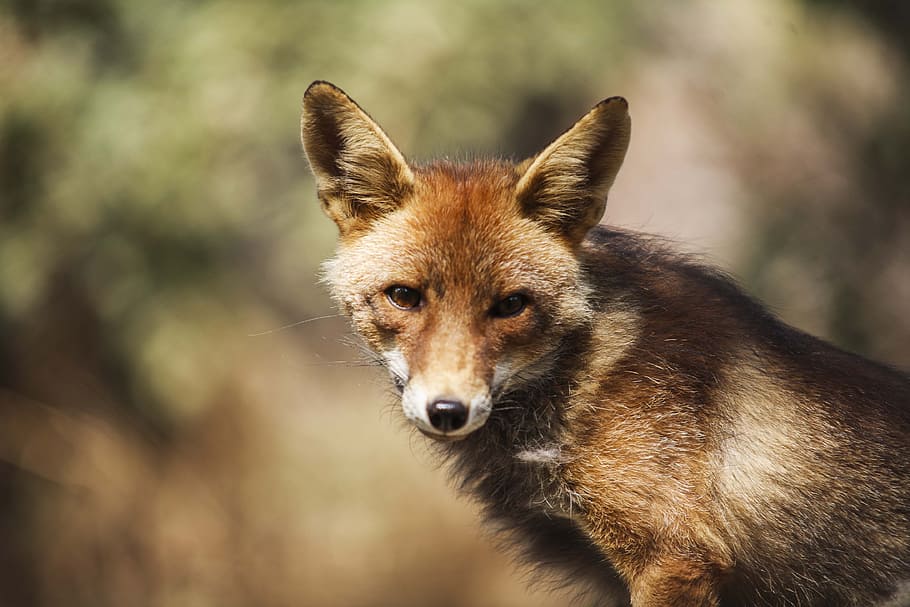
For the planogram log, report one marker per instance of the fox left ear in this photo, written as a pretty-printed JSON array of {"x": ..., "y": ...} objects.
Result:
[
  {"x": 565, "y": 187},
  {"x": 360, "y": 174}
]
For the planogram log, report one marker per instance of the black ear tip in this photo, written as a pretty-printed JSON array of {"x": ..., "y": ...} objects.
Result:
[
  {"x": 617, "y": 103},
  {"x": 322, "y": 87}
]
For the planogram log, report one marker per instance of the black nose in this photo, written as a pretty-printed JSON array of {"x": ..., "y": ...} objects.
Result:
[{"x": 447, "y": 415}]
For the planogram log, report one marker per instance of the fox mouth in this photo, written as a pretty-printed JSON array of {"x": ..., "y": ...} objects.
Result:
[{"x": 443, "y": 438}]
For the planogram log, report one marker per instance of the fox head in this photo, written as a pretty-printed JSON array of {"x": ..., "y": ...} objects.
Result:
[{"x": 463, "y": 278}]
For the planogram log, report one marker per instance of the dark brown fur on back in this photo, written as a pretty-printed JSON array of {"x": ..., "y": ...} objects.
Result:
[{"x": 845, "y": 524}]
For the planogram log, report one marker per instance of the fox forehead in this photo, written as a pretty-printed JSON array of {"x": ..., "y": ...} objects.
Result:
[{"x": 461, "y": 232}]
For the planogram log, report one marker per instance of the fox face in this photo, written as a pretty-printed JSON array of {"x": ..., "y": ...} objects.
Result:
[
  {"x": 464, "y": 279},
  {"x": 460, "y": 295}
]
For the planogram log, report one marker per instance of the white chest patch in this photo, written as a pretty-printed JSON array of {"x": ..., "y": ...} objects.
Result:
[
  {"x": 541, "y": 455},
  {"x": 551, "y": 494}
]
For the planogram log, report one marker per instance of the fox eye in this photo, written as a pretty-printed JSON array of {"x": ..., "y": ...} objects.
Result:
[
  {"x": 509, "y": 306},
  {"x": 402, "y": 297}
]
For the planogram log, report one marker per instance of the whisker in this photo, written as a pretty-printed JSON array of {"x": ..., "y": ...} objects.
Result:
[
  {"x": 294, "y": 324},
  {"x": 336, "y": 363}
]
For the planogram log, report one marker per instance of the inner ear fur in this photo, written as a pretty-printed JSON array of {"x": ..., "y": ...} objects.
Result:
[
  {"x": 565, "y": 186},
  {"x": 360, "y": 174}
]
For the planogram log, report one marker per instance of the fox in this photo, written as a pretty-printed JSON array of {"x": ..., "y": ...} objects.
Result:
[{"x": 626, "y": 415}]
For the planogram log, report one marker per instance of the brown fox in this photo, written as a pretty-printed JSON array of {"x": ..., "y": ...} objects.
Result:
[{"x": 627, "y": 416}]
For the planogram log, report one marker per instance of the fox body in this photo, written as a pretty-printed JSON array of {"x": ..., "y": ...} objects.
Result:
[{"x": 630, "y": 418}]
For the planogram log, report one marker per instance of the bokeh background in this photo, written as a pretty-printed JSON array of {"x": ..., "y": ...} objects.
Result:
[{"x": 164, "y": 442}]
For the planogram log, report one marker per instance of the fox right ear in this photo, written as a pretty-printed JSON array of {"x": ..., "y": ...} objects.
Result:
[{"x": 360, "y": 174}]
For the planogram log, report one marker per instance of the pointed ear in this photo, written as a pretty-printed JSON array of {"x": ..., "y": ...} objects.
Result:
[
  {"x": 565, "y": 186},
  {"x": 360, "y": 174}
]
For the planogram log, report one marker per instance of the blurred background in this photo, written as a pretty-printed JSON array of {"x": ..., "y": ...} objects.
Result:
[{"x": 164, "y": 442}]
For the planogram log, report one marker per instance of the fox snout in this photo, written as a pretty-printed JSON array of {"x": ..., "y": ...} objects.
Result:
[{"x": 443, "y": 414}]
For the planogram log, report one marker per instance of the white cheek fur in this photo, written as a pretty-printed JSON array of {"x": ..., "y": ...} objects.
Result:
[
  {"x": 501, "y": 373},
  {"x": 414, "y": 403},
  {"x": 397, "y": 365}
]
